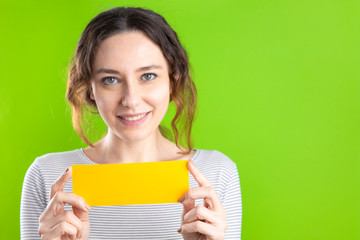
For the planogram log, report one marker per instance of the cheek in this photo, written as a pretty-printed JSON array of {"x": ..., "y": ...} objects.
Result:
[
  {"x": 160, "y": 96},
  {"x": 106, "y": 102}
]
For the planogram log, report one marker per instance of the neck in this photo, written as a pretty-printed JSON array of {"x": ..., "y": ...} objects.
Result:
[{"x": 112, "y": 149}]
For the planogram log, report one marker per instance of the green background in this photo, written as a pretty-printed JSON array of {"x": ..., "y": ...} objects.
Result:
[{"x": 278, "y": 88}]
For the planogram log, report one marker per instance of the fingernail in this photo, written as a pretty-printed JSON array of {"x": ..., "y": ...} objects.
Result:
[
  {"x": 87, "y": 206},
  {"x": 182, "y": 199},
  {"x": 179, "y": 230},
  {"x": 66, "y": 171},
  {"x": 78, "y": 235}
]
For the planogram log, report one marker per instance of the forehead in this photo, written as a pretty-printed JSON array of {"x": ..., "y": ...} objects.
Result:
[{"x": 128, "y": 51}]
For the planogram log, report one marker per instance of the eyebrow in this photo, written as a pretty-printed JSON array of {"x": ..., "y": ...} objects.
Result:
[{"x": 111, "y": 71}]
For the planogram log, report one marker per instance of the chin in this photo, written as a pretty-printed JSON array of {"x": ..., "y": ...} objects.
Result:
[{"x": 133, "y": 136}]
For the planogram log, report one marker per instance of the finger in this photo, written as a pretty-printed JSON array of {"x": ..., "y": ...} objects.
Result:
[
  {"x": 190, "y": 196},
  {"x": 202, "y": 213},
  {"x": 59, "y": 184},
  {"x": 59, "y": 230},
  {"x": 199, "y": 177},
  {"x": 58, "y": 202},
  {"x": 69, "y": 217},
  {"x": 81, "y": 214},
  {"x": 212, "y": 200},
  {"x": 207, "y": 229},
  {"x": 187, "y": 206}
]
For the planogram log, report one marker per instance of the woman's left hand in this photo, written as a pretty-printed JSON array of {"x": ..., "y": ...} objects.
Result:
[{"x": 203, "y": 222}]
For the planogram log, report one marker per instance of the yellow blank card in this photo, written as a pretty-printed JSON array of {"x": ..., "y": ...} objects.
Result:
[{"x": 131, "y": 183}]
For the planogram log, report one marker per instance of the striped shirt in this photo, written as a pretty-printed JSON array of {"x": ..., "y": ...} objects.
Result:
[{"x": 147, "y": 221}]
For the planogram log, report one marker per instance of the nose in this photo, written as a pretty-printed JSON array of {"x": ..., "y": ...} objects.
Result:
[{"x": 131, "y": 96}]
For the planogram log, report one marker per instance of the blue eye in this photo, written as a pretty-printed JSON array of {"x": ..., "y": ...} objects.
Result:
[
  {"x": 148, "y": 76},
  {"x": 109, "y": 80}
]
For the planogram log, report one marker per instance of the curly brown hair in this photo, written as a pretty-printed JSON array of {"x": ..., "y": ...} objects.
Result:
[{"x": 118, "y": 20}]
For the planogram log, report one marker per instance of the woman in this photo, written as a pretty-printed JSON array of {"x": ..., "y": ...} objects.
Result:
[{"x": 129, "y": 65}]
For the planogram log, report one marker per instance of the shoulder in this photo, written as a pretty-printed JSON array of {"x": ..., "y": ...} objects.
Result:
[
  {"x": 59, "y": 161},
  {"x": 58, "y": 155},
  {"x": 218, "y": 168},
  {"x": 46, "y": 168},
  {"x": 214, "y": 159},
  {"x": 50, "y": 165},
  {"x": 46, "y": 165},
  {"x": 214, "y": 156}
]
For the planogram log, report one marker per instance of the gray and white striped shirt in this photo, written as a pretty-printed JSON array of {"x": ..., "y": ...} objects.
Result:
[{"x": 148, "y": 221}]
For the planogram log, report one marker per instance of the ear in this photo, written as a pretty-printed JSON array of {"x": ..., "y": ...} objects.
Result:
[
  {"x": 176, "y": 78},
  {"x": 92, "y": 94}
]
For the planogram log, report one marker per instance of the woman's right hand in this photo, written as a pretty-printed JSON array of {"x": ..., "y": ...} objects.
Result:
[{"x": 58, "y": 224}]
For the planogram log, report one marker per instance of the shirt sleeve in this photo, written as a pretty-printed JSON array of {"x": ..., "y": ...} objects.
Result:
[
  {"x": 33, "y": 202},
  {"x": 233, "y": 206}
]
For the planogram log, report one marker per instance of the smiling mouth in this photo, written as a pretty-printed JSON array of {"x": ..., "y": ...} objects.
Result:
[{"x": 134, "y": 118}]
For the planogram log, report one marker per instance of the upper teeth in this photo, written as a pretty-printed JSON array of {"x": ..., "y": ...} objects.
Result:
[{"x": 134, "y": 118}]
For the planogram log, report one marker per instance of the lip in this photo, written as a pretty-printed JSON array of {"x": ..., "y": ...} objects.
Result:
[
  {"x": 131, "y": 115},
  {"x": 129, "y": 123}
]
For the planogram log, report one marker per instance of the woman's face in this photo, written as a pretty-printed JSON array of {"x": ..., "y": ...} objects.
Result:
[{"x": 131, "y": 85}]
